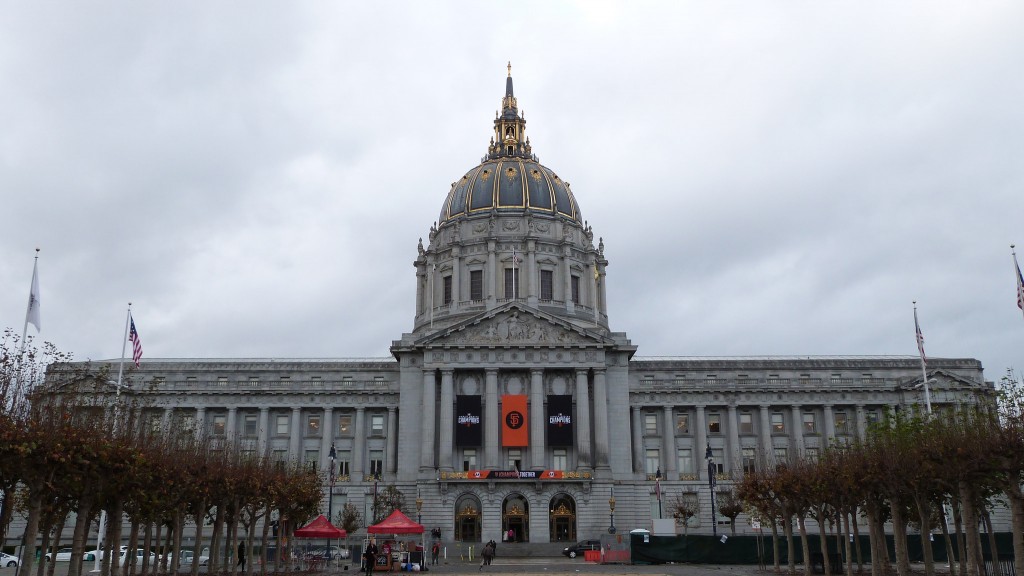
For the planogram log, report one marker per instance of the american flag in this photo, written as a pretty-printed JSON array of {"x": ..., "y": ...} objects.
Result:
[
  {"x": 515, "y": 257},
  {"x": 920, "y": 337},
  {"x": 1020, "y": 284},
  {"x": 133, "y": 337}
]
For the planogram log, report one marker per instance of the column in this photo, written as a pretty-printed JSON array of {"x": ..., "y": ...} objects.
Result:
[
  {"x": 326, "y": 437},
  {"x": 862, "y": 422},
  {"x": 735, "y": 457},
  {"x": 456, "y": 279},
  {"x": 531, "y": 272},
  {"x": 830, "y": 425},
  {"x": 264, "y": 430},
  {"x": 537, "y": 448},
  {"x": 200, "y": 430},
  {"x": 232, "y": 422},
  {"x": 392, "y": 450},
  {"x": 490, "y": 273},
  {"x": 592, "y": 283},
  {"x": 583, "y": 454},
  {"x": 491, "y": 419},
  {"x": 669, "y": 440},
  {"x": 421, "y": 278},
  {"x": 702, "y": 441},
  {"x": 359, "y": 455},
  {"x": 602, "y": 292},
  {"x": 638, "y": 442},
  {"x": 165, "y": 422},
  {"x": 447, "y": 426},
  {"x": 767, "y": 452},
  {"x": 429, "y": 415},
  {"x": 601, "y": 418},
  {"x": 294, "y": 440},
  {"x": 567, "y": 278},
  {"x": 798, "y": 431}
]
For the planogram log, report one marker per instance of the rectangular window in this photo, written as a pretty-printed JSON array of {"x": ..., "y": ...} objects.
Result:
[
  {"x": 682, "y": 423},
  {"x": 218, "y": 425},
  {"x": 809, "y": 424},
  {"x": 377, "y": 425},
  {"x": 719, "y": 460},
  {"x": 312, "y": 458},
  {"x": 842, "y": 423},
  {"x": 250, "y": 426},
  {"x": 781, "y": 454},
  {"x": 377, "y": 462},
  {"x": 281, "y": 425},
  {"x": 651, "y": 424},
  {"x": 746, "y": 423},
  {"x": 222, "y": 380},
  {"x": 513, "y": 279},
  {"x": 748, "y": 460},
  {"x": 280, "y": 458},
  {"x": 714, "y": 423},
  {"x": 344, "y": 463},
  {"x": 778, "y": 423},
  {"x": 447, "y": 282},
  {"x": 345, "y": 425},
  {"x": 652, "y": 461},
  {"x": 515, "y": 459},
  {"x": 812, "y": 454},
  {"x": 576, "y": 289},
  {"x": 872, "y": 416},
  {"x": 469, "y": 459},
  {"x": 685, "y": 461},
  {"x": 559, "y": 459},
  {"x": 313, "y": 425},
  {"x": 547, "y": 285},
  {"x": 476, "y": 285}
]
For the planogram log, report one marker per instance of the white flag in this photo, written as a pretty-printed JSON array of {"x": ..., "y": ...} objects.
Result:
[{"x": 32, "y": 315}]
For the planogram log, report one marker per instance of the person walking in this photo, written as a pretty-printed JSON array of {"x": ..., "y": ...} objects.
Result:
[
  {"x": 241, "y": 555},
  {"x": 435, "y": 551},
  {"x": 370, "y": 556},
  {"x": 486, "y": 555}
]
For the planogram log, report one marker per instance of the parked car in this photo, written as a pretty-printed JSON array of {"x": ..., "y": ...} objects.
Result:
[
  {"x": 139, "y": 554},
  {"x": 63, "y": 555},
  {"x": 8, "y": 561},
  {"x": 90, "y": 555},
  {"x": 186, "y": 558},
  {"x": 580, "y": 547}
]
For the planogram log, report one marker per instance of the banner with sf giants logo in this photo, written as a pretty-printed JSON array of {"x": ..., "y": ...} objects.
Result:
[
  {"x": 514, "y": 431},
  {"x": 467, "y": 421},
  {"x": 559, "y": 420}
]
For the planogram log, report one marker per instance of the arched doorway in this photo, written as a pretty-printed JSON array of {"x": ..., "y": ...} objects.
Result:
[
  {"x": 467, "y": 518},
  {"x": 562, "y": 519},
  {"x": 515, "y": 517}
]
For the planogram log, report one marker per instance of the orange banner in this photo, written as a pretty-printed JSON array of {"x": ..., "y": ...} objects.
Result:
[{"x": 514, "y": 429}]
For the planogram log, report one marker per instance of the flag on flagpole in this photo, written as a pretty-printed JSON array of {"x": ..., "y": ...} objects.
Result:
[
  {"x": 133, "y": 337},
  {"x": 32, "y": 314},
  {"x": 1020, "y": 283},
  {"x": 920, "y": 337}
]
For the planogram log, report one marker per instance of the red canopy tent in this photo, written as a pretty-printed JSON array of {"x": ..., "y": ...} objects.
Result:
[
  {"x": 397, "y": 523},
  {"x": 320, "y": 528}
]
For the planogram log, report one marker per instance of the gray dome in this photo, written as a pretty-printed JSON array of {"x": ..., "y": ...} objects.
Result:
[{"x": 510, "y": 185}]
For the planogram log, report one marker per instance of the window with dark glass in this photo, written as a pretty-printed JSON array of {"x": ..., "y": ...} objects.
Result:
[
  {"x": 512, "y": 283},
  {"x": 447, "y": 280},
  {"x": 547, "y": 285},
  {"x": 576, "y": 289},
  {"x": 746, "y": 423},
  {"x": 714, "y": 423},
  {"x": 476, "y": 285}
]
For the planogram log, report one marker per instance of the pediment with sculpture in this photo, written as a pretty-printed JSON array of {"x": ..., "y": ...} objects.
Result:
[{"x": 514, "y": 327}]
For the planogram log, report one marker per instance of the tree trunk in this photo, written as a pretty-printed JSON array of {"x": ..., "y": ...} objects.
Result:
[
  {"x": 804, "y": 543},
  {"x": 823, "y": 538},
  {"x": 1017, "y": 515},
  {"x": 200, "y": 516},
  {"x": 787, "y": 529},
  {"x": 6, "y": 509},
  {"x": 970, "y": 520},
  {"x": 115, "y": 519},
  {"x": 179, "y": 527},
  {"x": 131, "y": 566},
  {"x": 35, "y": 507},
  {"x": 924, "y": 515},
  {"x": 961, "y": 542},
  {"x": 992, "y": 548},
  {"x": 899, "y": 537},
  {"x": 217, "y": 534},
  {"x": 265, "y": 541},
  {"x": 775, "y": 546},
  {"x": 81, "y": 532},
  {"x": 846, "y": 543},
  {"x": 950, "y": 555},
  {"x": 52, "y": 533},
  {"x": 856, "y": 540},
  {"x": 147, "y": 540}
]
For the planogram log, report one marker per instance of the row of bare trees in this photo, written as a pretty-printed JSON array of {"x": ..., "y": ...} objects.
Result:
[
  {"x": 908, "y": 471},
  {"x": 71, "y": 447}
]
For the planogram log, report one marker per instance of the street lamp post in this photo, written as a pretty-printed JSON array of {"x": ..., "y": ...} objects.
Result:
[
  {"x": 711, "y": 486},
  {"x": 611, "y": 512},
  {"x": 330, "y": 496},
  {"x": 657, "y": 489}
]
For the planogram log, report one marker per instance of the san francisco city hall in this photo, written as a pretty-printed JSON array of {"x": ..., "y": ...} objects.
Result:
[{"x": 512, "y": 405}]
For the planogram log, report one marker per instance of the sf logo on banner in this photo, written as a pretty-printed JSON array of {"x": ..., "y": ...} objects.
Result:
[{"x": 514, "y": 420}]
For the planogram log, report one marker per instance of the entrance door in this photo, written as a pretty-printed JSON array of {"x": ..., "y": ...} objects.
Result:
[
  {"x": 515, "y": 518},
  {"x": 563, "y": 519},
  {"x": 467, "y": 519}
]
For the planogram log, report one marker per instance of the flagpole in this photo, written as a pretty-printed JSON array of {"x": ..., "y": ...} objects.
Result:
[
  {"x": 515, "y": 265},
  {"x": 924, "y": 369},
  {"x": 33, "y": 301},
  {"x": 1019, "y": 278},
  {"x": 117, "y": 394}
]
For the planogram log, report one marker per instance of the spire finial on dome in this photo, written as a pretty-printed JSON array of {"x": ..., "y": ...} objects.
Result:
[{"x": 509, "y": 68}]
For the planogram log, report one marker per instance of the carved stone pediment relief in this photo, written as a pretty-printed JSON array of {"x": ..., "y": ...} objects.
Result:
[{"x": 515, "y": 328}]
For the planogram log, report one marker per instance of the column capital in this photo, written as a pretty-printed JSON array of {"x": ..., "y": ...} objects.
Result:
[
  {"x": 582, "y": 371},
  {"x": 535, "y": 371},
  {"x": 447, "y": 371}
]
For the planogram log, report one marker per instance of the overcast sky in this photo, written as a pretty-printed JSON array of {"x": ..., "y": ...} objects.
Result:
[{"x": 769, "y": 178}]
